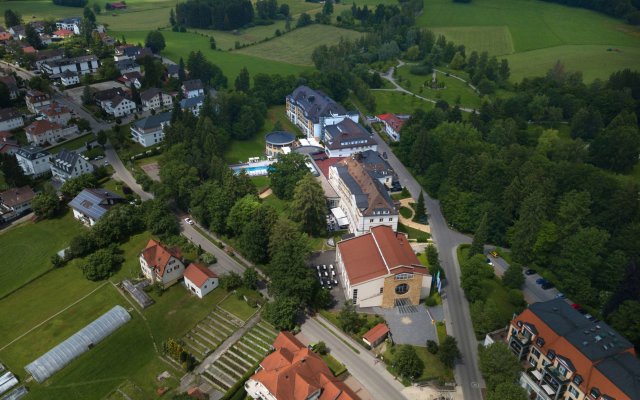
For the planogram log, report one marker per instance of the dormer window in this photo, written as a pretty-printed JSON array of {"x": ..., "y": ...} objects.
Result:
[
  {"x": 595, "y": 393},
  {"x": 551, "y": 354},
  {"x": 519, "y": 323},
  {"x": 577, "y": 380},
  {"x": 540, "y": 342}
]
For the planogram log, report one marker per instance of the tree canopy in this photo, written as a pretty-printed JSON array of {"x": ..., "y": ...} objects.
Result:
[
  {"x": 286, "y": 173},
  {"x": 308, "y": 206}
]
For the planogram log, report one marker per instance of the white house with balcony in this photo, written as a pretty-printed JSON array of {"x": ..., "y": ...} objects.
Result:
[{"x": 149, "y": 131}]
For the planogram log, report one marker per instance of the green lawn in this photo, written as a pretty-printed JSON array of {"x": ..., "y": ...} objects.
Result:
[
  {"x": 412, "y": 232},
  {"x": 406, "y": 212},
  {"x": 226, "y": 40},
  {"x": 74, "y": 143},
  {"x": 238, "y": 307},
  {"x": 181, "y": 44},
  {"x": 334, "y": 365},
  {"x": 539, "y": 34},
  {"x": 261, "y": 182},
  {"x": 398, "y": 103},
  {"x": 433, "y": 368},
  {"x": 282, "y": 206},
  {"x": 296, "y": 47},
  {"x": 454, "y": 88},
  {"x": 27, "y": 249}
]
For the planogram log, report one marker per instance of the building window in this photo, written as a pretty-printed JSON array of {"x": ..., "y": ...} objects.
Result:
[
  {"x": 551, "y": 354},
  {"x": 540, "y": 342},
  {"x": 403, "y": 276},
  {"x": 390, "y": 219},
  {"x": 562, "y": 370},
  {"x": 381, "y": 289},
  {"x": 577, "y": 380},
  {"x": 595, "y": 393},
  {"x": 402, "y": 288},
  {"x": 371, "y": 220},
  {"x": 573, "y": 391},
  {"x": 532, "y": 361},
  {"x": 355, "y": 296},
  {"x": 535, "y": 352},
  {"x": 381, "y": 219}
]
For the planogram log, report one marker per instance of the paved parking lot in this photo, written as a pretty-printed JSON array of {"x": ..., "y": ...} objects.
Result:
[
  {"x": 328, "y": 258},
  {"x": 413, "y": 328}
]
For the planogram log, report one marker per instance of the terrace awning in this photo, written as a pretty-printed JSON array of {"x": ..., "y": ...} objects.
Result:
[
  {"x": 340, "y": 216},
  {"x": 548, "y": 389},
  {"x": 537, "y": 374}
]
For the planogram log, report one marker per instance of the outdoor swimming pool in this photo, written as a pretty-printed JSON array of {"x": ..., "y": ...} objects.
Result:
[{"x": 261, "y": 169}]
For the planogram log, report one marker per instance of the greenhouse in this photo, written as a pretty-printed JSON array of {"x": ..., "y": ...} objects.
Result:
[{"x": 61, "y": 355}]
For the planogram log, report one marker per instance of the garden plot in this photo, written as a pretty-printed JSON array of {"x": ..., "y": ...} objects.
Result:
[
  {"x": 207, "y": 335},
  {"x": 242, "y": 357}
]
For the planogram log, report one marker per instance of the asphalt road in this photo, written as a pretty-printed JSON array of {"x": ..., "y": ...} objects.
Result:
[
  {"x": 456, "y": 307},
  {"x": 225, "y": 264},
  {"x": 373, "y": 376}
]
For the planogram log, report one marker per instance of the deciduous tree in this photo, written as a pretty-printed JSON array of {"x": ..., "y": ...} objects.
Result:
[
  {"x": 308, "y": 206},
  {"x": 286, "y": 173},
  {"x": 498, "y": 365},
  {"x": 407, "y": 362}
]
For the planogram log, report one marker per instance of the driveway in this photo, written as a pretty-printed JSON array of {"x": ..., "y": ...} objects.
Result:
[{"x": 413, "y": 328}]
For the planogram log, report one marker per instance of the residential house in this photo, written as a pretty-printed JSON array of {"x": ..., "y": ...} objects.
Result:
[
  {"x": 18, "y": 32},
  {"x": 161, "y": 264},
  {"x": 173, "y": 71},
  {"x": 8, "y": 143},
  {"x": 127, "y": 65},
  {"x": 48, "y": 55},
  {"x": 192, "y": 88},
  {"x": 91, "y": 204},
  {"x": 393, "y": 123},
  {"x": 12, "y": 86},
  {"x": 82, "y": 65},
  {"x": 380, "y": 269},
  {"x": 44, "y": 131},
  {"x": 192, "y": 104},
  {"x": 45, "y": 39},
  {"x": 200, "y": 280},
  {"x": 312, "y": 110},
  {"x": 114, "y": 101},
  {"x": 155, "y": 99},
  {"x": 294, "y": 372},
  {"x": 364, "y": 201},
  {"x": 15, "y": 202},
  {"x": 36, "y": 99},
  {"x": 69, "y": 78},
  {"x": 346, "y": 138},
  {"x": 106, "y": 39},
  {"x": 71, "y": 23},
  {"x": 376, "y": 335},
  {"x": 34, "y": 161},
  {"x": 150, "y": 130},
  {"x": 56, "y": 112},
  {"x": 29, "y": 50},
  {"x": 570, "y": 357},
  {"x": 5, "y": 37},
  {"x": 128, "y": 51},
  {"x": 62, "y": 34},
  {"x": 131, "y": 79},
  {"x": 10, "y": 119},
  {"x": 68, "y": 164}
]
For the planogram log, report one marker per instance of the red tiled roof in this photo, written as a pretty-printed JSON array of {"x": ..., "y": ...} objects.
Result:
[
  {"x": 157, "y": 256},
  {"x": 29, "y": 50},
  {"x": 198, "y": 274},
  {"x": 293, "y": 372},
  {"x": 38, "y": 128},
  {"x": 63, "y": 33},
  {"x": 54, "y": 109},
  {"x": 5, "y": 36},
  {"x": 376, "y": 333},
  {"x": 393, "y": 121},
  {"x": 325, "y": 163},
  {"x": 376, "y": 253}
]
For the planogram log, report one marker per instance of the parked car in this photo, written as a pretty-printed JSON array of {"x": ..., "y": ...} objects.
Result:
[
  {"x": 541, "y": 281},
  {"x": 547, "y": 285},
  {"x": 188, "y": 221},
  {"x": 494, "y": 253},
  {"x": 529, "y": 271},
  {"x": 560, "y": 296}
]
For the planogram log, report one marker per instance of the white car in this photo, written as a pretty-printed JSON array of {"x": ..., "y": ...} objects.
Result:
[{"x": 188, "y": 221}]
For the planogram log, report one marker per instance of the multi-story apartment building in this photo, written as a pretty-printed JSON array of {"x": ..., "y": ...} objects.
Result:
[
  {"x": 150, "y": 130},
  {"x": 81, "y": 65},
  {"x": 34, "y": 161},
  {"x": 570, "y": 357},
  {"x": 346, "y": 138}
]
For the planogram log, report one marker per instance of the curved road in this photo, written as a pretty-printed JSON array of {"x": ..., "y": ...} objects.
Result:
[{"x": 456, "y": 307}]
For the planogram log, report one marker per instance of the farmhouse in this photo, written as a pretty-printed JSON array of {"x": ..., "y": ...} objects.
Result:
[
  {"x": 91, "y": 204},
  {"x": 10, "y": 119},
  {"x": 312, "y": 110},
  {"x": 294, "y": 372},
  {"x": 154, "y": 99},
  {"x": 200, "y": 280},
  {"x": 15, "y": 202},
  {"x": 192, "y": 104},
  {"x": 571, "y": 357},
  {"x": 364, "y": 201},
  {"x": 192, "y": 88},
  {"x": 69, "y": 164},
  {"x": 346, "y": 138},
  {"x": 161, "y": 264},
  {"x": 43, "y": 132},
  {"x": 380, "y": 269},
  {"x": 34, "y": 161},
  {"x": 82, "y": 65},
  {"x": 150, "y": 130},
  {"x": 12, "y": 86},
  {"x": 36, "y": 99},
  {"x": 393, "y": 124}
]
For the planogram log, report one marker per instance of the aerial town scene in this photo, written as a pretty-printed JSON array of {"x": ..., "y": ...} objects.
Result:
[{"x": 320, "y": 200}]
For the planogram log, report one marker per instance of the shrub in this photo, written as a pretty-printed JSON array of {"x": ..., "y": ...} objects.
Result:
[
  {"x": 432, "y": 346},
  {"x": 208, "y": 258}
]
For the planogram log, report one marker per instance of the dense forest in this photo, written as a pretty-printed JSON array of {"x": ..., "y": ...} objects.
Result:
[
  {"x": 545, "y": 167},
  {"x": 214, "y": 14},
  {"x": 627, "y": 9}
]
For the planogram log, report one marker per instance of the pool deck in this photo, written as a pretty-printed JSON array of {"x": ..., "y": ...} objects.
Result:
[{"x": 245, "y": 166}]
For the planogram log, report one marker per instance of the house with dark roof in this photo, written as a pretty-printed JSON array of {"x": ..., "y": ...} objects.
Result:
[
  {"x": 34, "y": 161},
  {"x": 69, "y": 78},
  {"x": 127, "y": 65},
  {"x": 173, "y": 71},
  {"x": 82, "y": 65},
  {"x": 312, "y": 110},
  {"x": 70, "y": 23},
  {"x": 192, "y": 88},
  {"x": 91, "y": 204},
  {"x": 10, "y": 119},
  {"x": 192, "y": 104},
  {"x": 150, "y": 130},
  {"x": 115, "y": 101},
  {"x": 364, "y": 201},
  {"x": 200, "y": 280},
  {"x": 131, "y": 79},
  {"x": 12, "y": 86},
  {"x": 393, "y": 123},
  {"x": 15, "y": 202},
  {"x": 161, "y": 264},
  {"x": 36, "y": 99},
  {"x": 380, "y": 269},
  {"x": 155, "y": 99},
  {"x": 346, "y": 138},
  {"x": 48, "y": 55},
  {"x": 571, "y": 357},
  {"x": 294, "y": 372},
  {"x": 68, "y": 164}
]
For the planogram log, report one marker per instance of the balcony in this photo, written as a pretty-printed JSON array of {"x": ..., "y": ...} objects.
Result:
[
  {"x": 555, "y": 373},
  {"x": 519, "y": 344},
  {"x": 530, "y": 380}
]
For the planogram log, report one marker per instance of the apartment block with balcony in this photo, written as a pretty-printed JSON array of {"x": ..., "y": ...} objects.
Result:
[{"x": 569, "y": 357}]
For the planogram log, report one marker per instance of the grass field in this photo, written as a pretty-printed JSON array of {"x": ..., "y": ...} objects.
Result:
[
  {"x": 181, "y": 44},
  {"x": 73, "y": 143},
  {"x": 238, "y": 307},
  {"x": 27, "y": 249},
  {"x": 398, "y": 103},
  {"x": 453, "y": 90},
  {"x": 433, "y": 368},
  {"x": 296, "y": 47},
  {"x": 226, "y": 40},
  {"x": 539, "y": 33}
]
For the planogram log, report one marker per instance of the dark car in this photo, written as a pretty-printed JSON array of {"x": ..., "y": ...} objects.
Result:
[
  {"x": 529, "y": 272},
  {"x": 547, "y": 285},
  {"x": 541, "y": 281}
]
